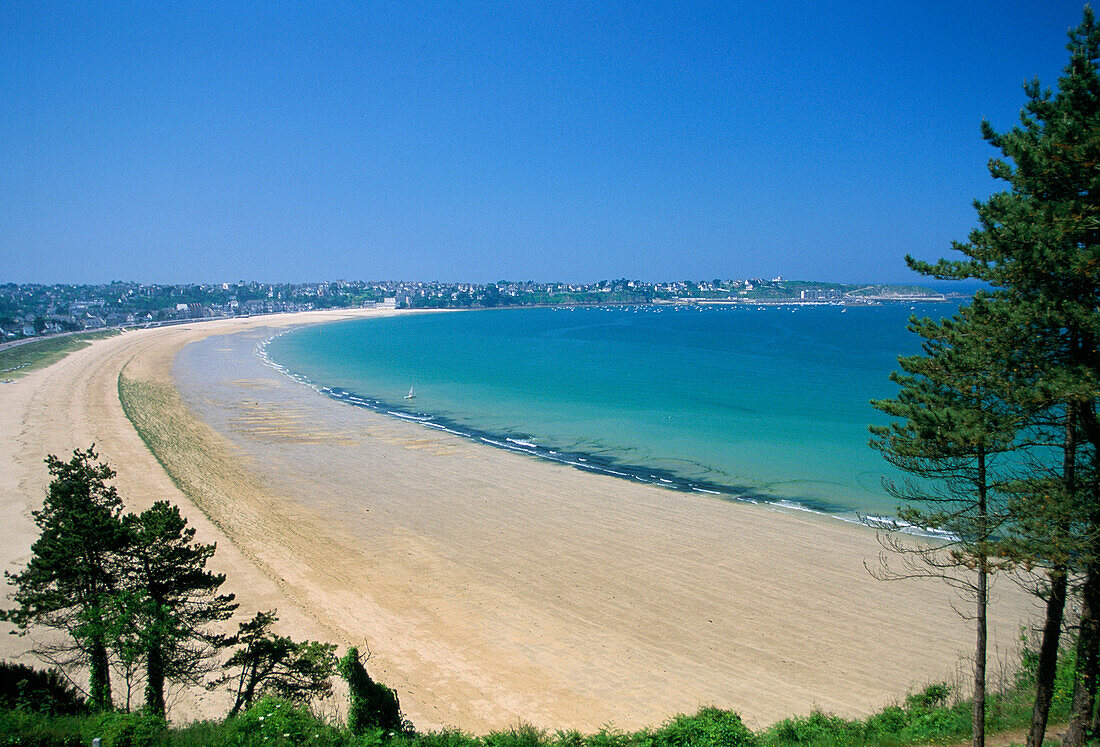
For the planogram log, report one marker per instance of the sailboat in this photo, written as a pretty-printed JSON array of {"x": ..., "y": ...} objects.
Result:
[{"x": 410, "y": 395}]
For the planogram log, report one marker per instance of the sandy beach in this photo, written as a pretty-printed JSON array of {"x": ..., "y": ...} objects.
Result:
[{"x": 489, "y": 587}]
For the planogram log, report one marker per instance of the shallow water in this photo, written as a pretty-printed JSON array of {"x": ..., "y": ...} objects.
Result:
[{"x": 751, "y": 403}]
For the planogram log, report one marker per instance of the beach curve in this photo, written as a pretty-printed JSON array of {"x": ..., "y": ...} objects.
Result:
[{"x": 490, "y": 587}]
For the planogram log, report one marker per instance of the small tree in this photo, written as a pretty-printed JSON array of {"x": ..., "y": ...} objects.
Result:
[
  {"x": 127, "y": 639},
  {"x": 954, "y": 421},
  {"x": 276, "y": 664},
  {"x": 370, "y": 703},
  {"x": 174, "y": 599},
  {"x": 74, "y": 567}
]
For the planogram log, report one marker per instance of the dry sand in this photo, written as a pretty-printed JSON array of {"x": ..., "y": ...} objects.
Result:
[{"x": 490, "y": 587}]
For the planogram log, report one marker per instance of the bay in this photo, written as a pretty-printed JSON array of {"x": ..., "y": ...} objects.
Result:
[{"x": 752, "y": 403}]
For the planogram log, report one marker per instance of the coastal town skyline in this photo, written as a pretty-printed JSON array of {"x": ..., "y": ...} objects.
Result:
[
  {"x": 477, "y": 142},
  {"x": 31, "y": 311}
]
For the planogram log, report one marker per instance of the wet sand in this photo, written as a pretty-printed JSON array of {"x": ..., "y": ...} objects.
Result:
[{"x": 490, "y": 587}]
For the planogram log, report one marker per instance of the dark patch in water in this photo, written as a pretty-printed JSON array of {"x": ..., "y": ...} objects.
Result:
[{"x": 584, "y": 461}]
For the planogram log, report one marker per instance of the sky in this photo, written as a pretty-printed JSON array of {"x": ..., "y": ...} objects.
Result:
[{"x": 477, "y": 141}]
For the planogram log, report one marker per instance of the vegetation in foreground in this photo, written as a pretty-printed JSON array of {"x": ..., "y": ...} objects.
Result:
[
  {"x": 45, "y": 711},
  {"x": 19, "y": 360}
]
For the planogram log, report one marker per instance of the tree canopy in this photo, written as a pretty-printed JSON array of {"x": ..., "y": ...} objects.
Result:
[{"x": 74, "y": 567}]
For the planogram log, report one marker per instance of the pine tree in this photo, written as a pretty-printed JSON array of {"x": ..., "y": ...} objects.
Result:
[
  {"x": 74, "y": 567},
  {"x": 953, "y": 425},
  {"x": 1037, "y": 244},
  {"x": 273, "y": 663},
  {"x": 174, "y": 600}
]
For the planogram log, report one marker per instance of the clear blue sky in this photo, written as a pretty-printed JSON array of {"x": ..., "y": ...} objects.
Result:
[{"x": 477, "y": 141}]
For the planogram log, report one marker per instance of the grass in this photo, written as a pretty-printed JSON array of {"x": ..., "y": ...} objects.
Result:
[
  {"x": 929, "y": 717},
  {"x": 20, "y": 360}
]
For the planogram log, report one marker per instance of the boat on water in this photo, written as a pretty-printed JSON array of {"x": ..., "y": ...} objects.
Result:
[{"x": 410, "y": 395}]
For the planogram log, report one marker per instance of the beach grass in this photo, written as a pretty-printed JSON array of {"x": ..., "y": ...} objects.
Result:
[
  {"x": 20, "y": 360},
  {"x": 179, "y": 442}
]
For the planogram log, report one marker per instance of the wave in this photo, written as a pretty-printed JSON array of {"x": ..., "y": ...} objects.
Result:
[{"x": 893, "y": 524}]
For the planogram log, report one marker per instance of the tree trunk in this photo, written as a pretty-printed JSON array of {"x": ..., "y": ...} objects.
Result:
[
  {"x": 1084, "y": 681},
  {"x": 236, "y": 706},
  {"x": 981, "y": 600},
  {"x": 154, "y": 680},
  {"x": 980, "y": 657},
  {"x": 245, "y": 695},
  {"x": 246, "y": 685},
  {"x": 1048, "y": 657},
  {"x": 100, "y": 685},
  {"x": 1083, "y": 706},
  {"x": 1056, "y": 602}
]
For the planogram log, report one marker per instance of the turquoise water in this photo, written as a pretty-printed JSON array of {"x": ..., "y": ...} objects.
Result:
[{"x": 753, "y": 403}]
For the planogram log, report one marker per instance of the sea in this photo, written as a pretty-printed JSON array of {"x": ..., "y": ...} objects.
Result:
[{"x": 769, "y": 404}]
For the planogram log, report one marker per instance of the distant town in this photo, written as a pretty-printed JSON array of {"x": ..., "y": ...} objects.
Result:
[{"x": 39, "y": 310}]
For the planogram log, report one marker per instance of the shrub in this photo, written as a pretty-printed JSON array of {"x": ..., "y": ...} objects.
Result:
[
  {"x": 274, "y": 721},
  {"x": 200, "y": 734},
  {"x": 607, "y": 736},
  {"x": 934, "y": 695},
  {"x": 41, "y": 691},
  {"x": 36, "y": 730},
  {"x": 521, "y": 735},
  {"x": 941, "y": 723},
  {"x": 141, "y": 729},
  {"x": 571, "y": 738},
  {"x": 709, "y": 726},
  {"x": 818, "y": 728},
  {"x": 370, "y": 704},
  {"x": 445, "y": 738},
  {"x": 890, "y": 720}
]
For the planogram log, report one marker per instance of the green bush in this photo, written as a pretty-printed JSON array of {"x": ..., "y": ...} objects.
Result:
[
  {"x": 571, "y": 738},
  {"x": 891, "y": 720},
  {"x": 445, "y": 738},
  {"x": 37, "y": 730},
  {"x": 521, "y": 735},
  {"x": 41, "y": 691},
  {"x": 1063, "y": 685},
  {"x": 708, "y": 727},
  {"x": 274, "y": 721},
  {"x": 370, "y": 704},
  {"x": 608, "y": 736},
  {"x": 941, "y": 723},
  {"x": 818, "y": 728},
  {"x": 200, "y": 734},
  {"x": 140, "y": 729},
  {"x": 930, "y": 697}
]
